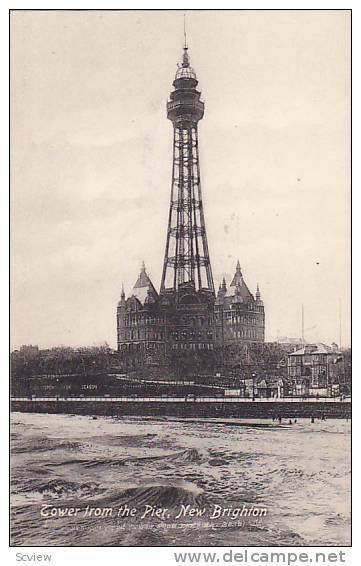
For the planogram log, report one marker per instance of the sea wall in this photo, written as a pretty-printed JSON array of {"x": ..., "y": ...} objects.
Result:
[{"x": 198, "y": 408}]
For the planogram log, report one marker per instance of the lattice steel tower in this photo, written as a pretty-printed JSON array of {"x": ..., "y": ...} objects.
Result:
[{"x": 186, "y": 259}]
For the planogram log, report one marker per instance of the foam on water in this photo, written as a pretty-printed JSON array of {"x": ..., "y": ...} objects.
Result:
[{"x": 300, "y": 474}]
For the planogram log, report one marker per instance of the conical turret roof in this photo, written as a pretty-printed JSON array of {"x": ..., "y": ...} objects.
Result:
[
  {"x": 143, "y": 285},
  {"x": 238, "y": 286}
]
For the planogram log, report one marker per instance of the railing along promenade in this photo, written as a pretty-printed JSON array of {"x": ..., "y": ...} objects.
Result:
[{"x": 189, "y": 399}]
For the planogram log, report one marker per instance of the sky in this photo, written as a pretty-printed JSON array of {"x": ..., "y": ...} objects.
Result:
[{"x": 91, "y": 163}]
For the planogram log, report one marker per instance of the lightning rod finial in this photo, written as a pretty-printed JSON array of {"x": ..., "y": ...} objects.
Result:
[{"x": 185, "y": 32}]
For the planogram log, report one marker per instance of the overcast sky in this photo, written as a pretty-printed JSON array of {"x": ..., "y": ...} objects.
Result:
[{"x": 92, "y": 150}]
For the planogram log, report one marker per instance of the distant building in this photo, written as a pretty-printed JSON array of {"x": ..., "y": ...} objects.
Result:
[
  {"x": 29, "y": 351},
  {"x": 262, "y": 388},
  {"x": 267, "y": 388},
  {"x": 290, "y": 344},
  {"x": 316, "y": 370}
]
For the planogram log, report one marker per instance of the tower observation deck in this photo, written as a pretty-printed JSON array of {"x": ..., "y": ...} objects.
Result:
[{"x": 186, "y": 258}]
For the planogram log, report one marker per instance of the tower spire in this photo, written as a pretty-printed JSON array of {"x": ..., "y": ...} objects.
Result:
[
  {"x": 185, "y": 61},
  {"x": 121, "y": 302},
  {"x": 185, "y": 32}
]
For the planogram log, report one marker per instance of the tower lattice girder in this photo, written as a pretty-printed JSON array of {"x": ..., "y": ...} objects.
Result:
[{"x": 186, "y": 258}]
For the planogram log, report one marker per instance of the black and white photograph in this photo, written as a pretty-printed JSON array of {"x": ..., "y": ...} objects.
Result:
[{"x": 180, "y": 278}]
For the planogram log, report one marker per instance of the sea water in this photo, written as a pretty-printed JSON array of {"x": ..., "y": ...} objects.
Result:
[{"x": 132, "y": 481}]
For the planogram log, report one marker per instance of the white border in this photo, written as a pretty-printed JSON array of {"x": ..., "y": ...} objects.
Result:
[{"x": 159, "y": 556}]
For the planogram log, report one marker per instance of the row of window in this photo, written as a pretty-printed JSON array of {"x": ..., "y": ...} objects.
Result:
[
  {"x": 184, "y": 335},
  {"x": 308, "y": 359},
  {"x": 240, "y": 319},
  {"x": 134, "y": 320},
  {"x": 246, "y": 333},
  {"x": 299, "y": 370},
  {"x": 251, "y": 333},
  {"x": 192, "y": 346},
  {"x": 161, "y": 346},
  {"x": 142, "y": 345},
  {"x": 141, "y": 319},
  {"x": 235, "y": 307},
  {"x": 137, "y": 335},
  {"x": 201, "y": 321}
]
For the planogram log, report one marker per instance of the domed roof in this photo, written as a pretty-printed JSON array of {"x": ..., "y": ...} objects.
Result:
[{"x": 185, "y": 71}]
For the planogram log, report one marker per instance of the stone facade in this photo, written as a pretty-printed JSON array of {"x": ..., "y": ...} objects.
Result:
[
  {"x": 150, "y": 322},
  {"x": 239, "y": 316},
  {"x": 189, "y": 319}
]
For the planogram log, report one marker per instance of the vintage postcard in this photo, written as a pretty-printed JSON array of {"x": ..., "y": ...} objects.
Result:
[{"x": 180, "y": 279}]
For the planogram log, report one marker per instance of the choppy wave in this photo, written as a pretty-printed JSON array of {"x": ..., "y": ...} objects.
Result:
[
  {"x": 67, "y": 460},
  {"x": 59, "y": 487},
  {"x": 188, "y": 456},
  {"x": 41, "y": 444},
  {"x": 160, "y": 496}
]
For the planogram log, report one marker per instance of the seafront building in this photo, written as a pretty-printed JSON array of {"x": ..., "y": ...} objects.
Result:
[
  {"x": 316, "y": 369},
  {"x": 186, "y": 313}
]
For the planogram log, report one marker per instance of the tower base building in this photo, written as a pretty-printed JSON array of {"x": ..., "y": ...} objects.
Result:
[{"x": 188, "y": 319}]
